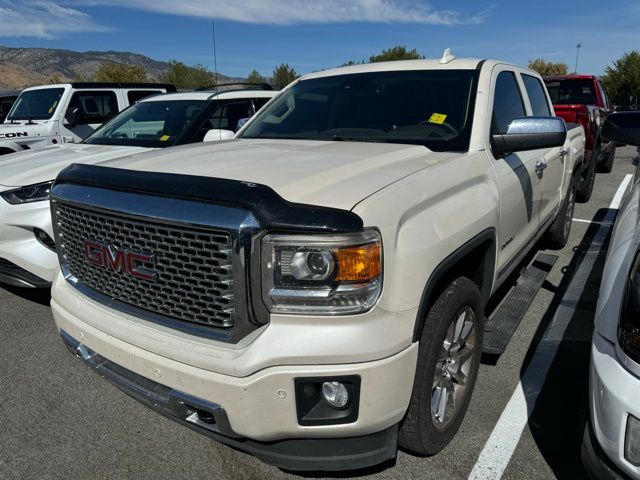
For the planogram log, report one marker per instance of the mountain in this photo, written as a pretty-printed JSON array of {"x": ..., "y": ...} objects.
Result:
[{"x": 22, "y": 67}]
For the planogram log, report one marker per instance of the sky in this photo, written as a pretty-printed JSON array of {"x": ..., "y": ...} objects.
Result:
[{"x": 317, "y": 34}]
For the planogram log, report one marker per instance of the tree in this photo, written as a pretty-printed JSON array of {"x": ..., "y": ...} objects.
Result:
[
  {"x": 184, "y": 76},
  {"x": 55, "y": 78},
  {"x": 622, "y": 80},
  {"x": 399, "y": 52},
  {"x": 351, "y": 63},
  {"x": 548, "y": 68},
  {"x": 255, "y": 77},
  {"x": 120, "y": 72},
  {"x": 283, "y": 75}
]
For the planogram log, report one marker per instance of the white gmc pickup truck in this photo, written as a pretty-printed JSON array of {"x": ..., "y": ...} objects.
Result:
[{"x": 313, "y": 291}]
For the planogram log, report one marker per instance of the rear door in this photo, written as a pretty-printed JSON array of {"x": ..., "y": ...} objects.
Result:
[
  {"x": 520, "y": 184},
  {"x": 552, "y": 159}
]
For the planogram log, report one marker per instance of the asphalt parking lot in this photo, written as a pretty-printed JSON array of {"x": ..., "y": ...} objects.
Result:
[{"x": 58, "y": 420}]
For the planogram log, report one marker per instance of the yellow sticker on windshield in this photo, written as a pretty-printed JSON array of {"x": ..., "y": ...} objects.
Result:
[
  {"x": 164, "y": 138},
  {"x": 438, "y": 118}
]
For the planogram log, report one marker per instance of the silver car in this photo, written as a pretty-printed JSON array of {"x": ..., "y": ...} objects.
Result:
[{"x": 611, "y": 442}]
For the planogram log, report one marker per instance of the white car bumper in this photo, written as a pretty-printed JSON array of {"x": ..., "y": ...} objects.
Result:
[
  {"x": 614, "y": 396},
  {"x": 24, "y": 260}
]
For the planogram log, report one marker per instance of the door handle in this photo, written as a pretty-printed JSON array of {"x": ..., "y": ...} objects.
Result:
[
  {"x": 540, "y": 166},
  {"x": 563, "y": 152}
]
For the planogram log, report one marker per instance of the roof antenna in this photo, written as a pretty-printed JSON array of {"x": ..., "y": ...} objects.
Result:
[
  {"x": 447, "y": 56},
  {"x": 215, "y": 63}
]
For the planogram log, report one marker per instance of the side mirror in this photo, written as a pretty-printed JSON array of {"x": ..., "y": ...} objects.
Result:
[
  {"x": 530, "y": 133},
  {"x": 215, "y": 135},
  {"x": 622, "y": 127},
  {"x": 72, "y": 117},
  {"x": 242, "y": 122}
]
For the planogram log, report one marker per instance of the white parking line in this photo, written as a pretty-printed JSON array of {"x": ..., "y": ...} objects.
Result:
[
  {"x": 581, "y": 220},
  {"x": 505, "y": 436}
]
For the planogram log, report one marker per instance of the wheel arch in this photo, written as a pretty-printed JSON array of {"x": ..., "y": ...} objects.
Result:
[{"x": 475, "y": 260}]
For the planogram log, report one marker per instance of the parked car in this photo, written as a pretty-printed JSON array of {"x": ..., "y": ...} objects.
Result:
[
  {"x": 27, "y": 250},
  {"x": 313, "y": 291},
  {"x": 67, "y": 113},
  {"x": 611, "y": 444},
  {"x": 583, "y": 99},
  {"x": 7, "y": 98}
]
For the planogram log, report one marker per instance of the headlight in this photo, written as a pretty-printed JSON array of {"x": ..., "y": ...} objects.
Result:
[
  {"x": 32, "y": 193},
  {"x": 322, "y": 274},
  {"x": 629, "y": 326}
]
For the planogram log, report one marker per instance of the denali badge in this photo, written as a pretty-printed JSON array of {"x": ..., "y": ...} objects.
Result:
[{"x": 121, "y": 261}]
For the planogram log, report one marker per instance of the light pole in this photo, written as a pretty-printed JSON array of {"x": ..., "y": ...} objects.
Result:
[{"x": 577, "y": 53}]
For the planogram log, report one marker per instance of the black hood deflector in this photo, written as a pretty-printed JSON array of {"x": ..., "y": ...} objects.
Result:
[{"x": 271, "y": 210}]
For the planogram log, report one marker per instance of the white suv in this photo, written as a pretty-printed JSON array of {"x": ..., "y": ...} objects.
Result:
[
  {"x": 67, "y": 113},
  {"x": 611, "y": 443},
  {"x": 27, "y": 251}
]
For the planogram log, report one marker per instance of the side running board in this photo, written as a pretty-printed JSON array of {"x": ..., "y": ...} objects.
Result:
[{"x": 504, "y": 321}]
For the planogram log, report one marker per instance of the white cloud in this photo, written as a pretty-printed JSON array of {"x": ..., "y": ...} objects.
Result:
[
  {"x": 289, "y": 12},
  {"x": 42, "y": 19}
]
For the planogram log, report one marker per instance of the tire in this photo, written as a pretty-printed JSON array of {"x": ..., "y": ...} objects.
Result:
[
  {"x": 447, "y": 357},
  {"x": 607, "y": 165},
  {"x": 558, "y": 234},
  {"x": 583, "y": 192}
]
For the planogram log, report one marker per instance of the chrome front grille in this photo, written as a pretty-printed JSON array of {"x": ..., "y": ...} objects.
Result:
[{"x": 194, "y": 281}]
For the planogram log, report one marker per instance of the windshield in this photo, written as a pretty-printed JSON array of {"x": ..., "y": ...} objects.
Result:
[
  {"x": 424, "y": 107},
  {"x": 152, "y": 124},
  {"x": 567, "y": 92},
  {"x": 38, "y": 104}
]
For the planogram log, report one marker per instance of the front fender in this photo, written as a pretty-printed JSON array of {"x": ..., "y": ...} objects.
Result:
[{"x": 426, "y": 217}]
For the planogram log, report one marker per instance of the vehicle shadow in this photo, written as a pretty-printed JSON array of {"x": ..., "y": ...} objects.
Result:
[
  {"x": 41, "y": 296},
  {"x": 558, "y": 417}
]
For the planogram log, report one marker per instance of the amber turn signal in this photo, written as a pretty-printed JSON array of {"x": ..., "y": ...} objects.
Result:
[{"x": 358, "y": 264}]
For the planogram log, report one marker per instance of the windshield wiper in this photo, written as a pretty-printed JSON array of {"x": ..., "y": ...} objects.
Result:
[{"x": 341, "y": 138}]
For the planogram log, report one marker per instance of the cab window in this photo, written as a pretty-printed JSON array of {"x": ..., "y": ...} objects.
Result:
[
  {"x": 507, "y": 103},
  {"x": 94, "y": 107}
]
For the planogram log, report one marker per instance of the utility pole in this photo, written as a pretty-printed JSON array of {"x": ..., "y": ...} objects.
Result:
[
  {"x": 577, "y": 53},
  {"x": 215, "y": 57}
]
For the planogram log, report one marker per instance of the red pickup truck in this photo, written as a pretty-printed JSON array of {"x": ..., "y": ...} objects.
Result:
[{"x": 583, "y": 99}]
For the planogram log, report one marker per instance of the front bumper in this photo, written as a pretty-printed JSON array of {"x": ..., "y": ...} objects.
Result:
[
  {"x": 36, "y": 264},
  {"x": 614, "y": 394},
  {"x": 326, "y": 454},
  {"x": 258, "y": 374}
]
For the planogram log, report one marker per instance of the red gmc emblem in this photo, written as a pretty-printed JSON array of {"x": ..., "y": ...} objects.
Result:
[{"x": 119, "y": 260}]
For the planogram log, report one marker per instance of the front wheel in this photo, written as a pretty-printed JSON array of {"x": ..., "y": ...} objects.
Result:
[
  {"x": 583, "y": 193},
  {"x": 448, "y": 363},
  {"x": 607, "y": 165}
]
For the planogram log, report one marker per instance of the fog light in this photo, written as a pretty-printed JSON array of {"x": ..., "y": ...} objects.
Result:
[
  {"x": 44, "y": 238},
  {"x": 335, "y": 394},
  {"x": 632, "y": 443}
]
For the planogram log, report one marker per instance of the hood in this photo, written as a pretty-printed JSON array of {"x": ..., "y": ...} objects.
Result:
[
  {"x": 43, "y": 164},
  {"x": 332, "y": 174},
  {"x": 10, "y": 132}
]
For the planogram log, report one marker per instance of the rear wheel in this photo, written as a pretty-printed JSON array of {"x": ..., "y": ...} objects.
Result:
[
  {"x": 448, "y": 362},
  {"x": 558, "y": 234}
]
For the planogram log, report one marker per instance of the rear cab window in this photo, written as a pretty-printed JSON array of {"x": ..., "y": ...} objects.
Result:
[
  {"x": 537, "y": 96},
  {"x": 572, "y": 91}
]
